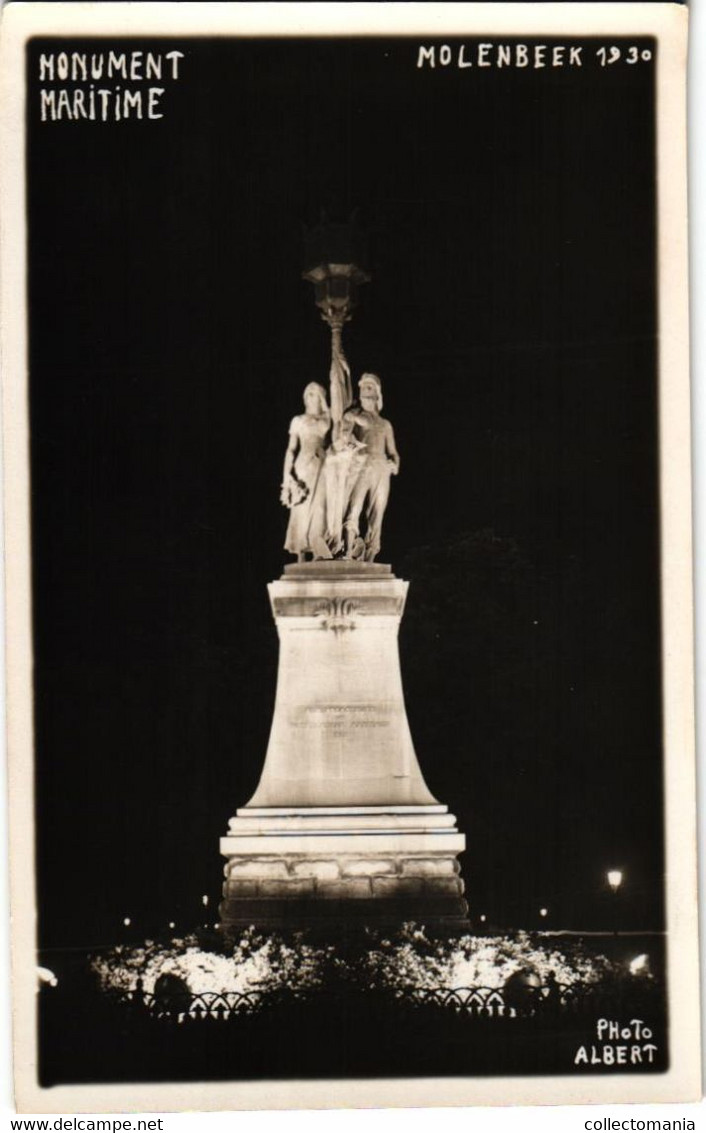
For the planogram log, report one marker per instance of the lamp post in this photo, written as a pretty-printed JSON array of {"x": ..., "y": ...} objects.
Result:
[
  {"x": 615, "y": 880},
  {"x": 335, "y": 255}
]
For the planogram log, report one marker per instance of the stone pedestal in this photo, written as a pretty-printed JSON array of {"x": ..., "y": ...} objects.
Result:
[{"x": 342, "y": 826}]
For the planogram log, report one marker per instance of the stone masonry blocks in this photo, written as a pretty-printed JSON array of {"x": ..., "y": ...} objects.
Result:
[
  {"x": 293, "y": 883},
  {"x": 397, "y": 887},
  {"x": 321, "y": 870},
  {"x": 302, "y": 887},
  {"x": 240, "y": 889},
  {"x": 258, "y": 868},
  {"x": 368, "y": 867},
  {"x": 430, "y": 867},
  {"x": 446, "y": 886},
  {"x": 347, "y": 877},
  {"x": 347, "y": 888}
]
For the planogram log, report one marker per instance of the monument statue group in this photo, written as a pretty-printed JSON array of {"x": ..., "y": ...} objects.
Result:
[
  {"x": 342, "y": 831},
  {"x": 337, "y": 473}
]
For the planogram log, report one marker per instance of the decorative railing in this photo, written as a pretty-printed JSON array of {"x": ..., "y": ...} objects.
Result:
[
  {"x": 202, "y": 1005},
  {"x": 499, "y": 1003},
  {"x": 475, "y": 1002}
]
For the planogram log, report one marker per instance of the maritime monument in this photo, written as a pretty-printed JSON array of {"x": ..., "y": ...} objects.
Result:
[{"x": 342, "y": 829}]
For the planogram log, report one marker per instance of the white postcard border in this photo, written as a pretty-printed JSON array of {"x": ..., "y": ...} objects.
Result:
[{"x": 669, "y": 23}]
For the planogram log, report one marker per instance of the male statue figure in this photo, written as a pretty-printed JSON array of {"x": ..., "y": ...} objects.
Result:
[{"x": 381, "y": 460}]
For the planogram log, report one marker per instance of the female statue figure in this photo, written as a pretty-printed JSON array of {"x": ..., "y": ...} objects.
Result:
[{"x": 303, "y": 490}]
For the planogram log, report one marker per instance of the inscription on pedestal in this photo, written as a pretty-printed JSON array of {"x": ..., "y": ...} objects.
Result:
[{"x": 340, "y": 717}]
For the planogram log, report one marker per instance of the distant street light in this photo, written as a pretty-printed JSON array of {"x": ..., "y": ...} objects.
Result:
[
  {"x": 543, "y": 912},
  {"x": 615, "y": 880},
  {"x": 127, "y": 922},
  {"x": 482, "y": 917},
  {"x": 204, "y": 899}
]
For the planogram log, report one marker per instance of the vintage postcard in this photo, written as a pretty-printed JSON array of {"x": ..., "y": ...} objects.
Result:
[{"x": 346, "y": 433}]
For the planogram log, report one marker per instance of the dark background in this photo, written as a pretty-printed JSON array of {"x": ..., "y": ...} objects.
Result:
[{"x": 512, "y": 318}]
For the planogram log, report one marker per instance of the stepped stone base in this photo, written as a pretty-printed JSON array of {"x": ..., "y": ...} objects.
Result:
[{"x": 317, "y": 867}]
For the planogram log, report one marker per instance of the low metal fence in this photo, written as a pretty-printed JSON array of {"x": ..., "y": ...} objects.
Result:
[
  {"x": 474, "y": 1002},
  {"x": 202, "y": 1005}
]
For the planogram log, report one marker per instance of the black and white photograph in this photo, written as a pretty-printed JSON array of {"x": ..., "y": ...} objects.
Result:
[{"x": 347, "y": 498}]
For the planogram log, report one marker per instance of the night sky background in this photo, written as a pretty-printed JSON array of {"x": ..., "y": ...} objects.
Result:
[{"x": 512, "y": 318}]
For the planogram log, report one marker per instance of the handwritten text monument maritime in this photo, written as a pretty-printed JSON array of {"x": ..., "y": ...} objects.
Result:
[{"x": 96, "y": 92}]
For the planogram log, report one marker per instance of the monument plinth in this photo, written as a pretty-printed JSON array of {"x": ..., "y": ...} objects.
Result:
[{"x": 342, "y": 826}]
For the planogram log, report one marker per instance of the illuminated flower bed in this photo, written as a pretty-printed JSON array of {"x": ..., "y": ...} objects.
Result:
[
  {"x": 411, "y": 960},
  {"x": 269, "y": 964},
  {"x": 257, "y": 963}
]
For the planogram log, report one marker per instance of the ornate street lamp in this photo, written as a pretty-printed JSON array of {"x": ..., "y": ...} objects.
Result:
[{"x": 335, "y": 258}]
